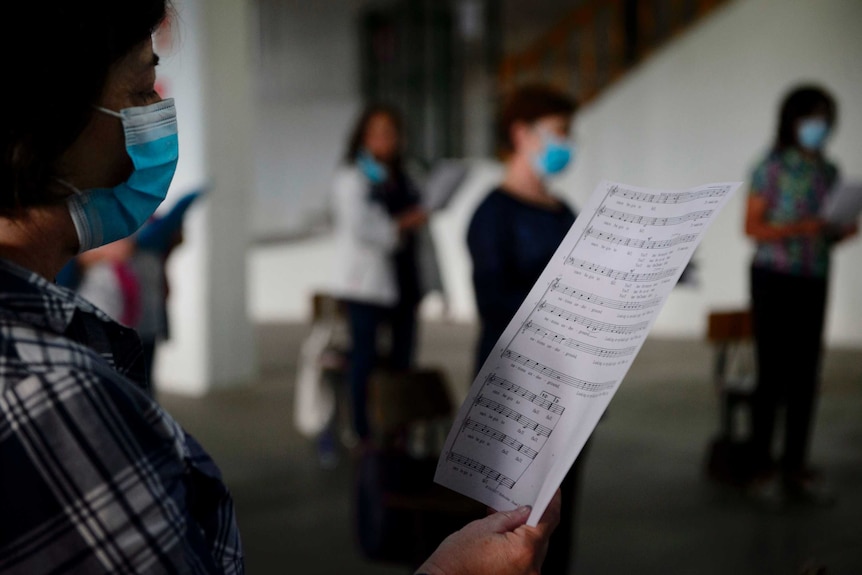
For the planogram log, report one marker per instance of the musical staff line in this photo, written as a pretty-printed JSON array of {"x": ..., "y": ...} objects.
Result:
[
  {"x": 602, "y": 352},
  {"x": 642, "y": 244},
  {"x": 488, "y": 472},
  {"x": 592, "y": 324},
  {"x": 501, "y": 437},
  {"x": 602, "y": 301},
  {"x": 653, "y": 221},
  {"x": 544, "y": 295},
  {"x": 526, "y": 394},
  {"x": 555, "y": 375},
  {"x": 519, "y": 418},
  {"x": 620, "y": 275},
  {"x": 669, "y": 198}
]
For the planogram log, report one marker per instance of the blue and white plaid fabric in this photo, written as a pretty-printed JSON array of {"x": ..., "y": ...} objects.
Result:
[{"x": 94, "y": 476}]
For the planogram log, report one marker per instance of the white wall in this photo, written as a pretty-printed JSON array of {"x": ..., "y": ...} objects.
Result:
[
  {"x": 307, "y": 96},
  {"x": 703, "y": 110}
]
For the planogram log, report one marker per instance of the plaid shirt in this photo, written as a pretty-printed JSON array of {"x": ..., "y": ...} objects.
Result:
[{"x": 94, "y": 476}]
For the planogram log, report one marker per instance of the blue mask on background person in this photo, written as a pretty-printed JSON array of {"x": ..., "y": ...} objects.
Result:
[
  {"x": 375, "y": 171},
  {"x": 105, "y": 215},
  {"x": 812, "y": 134},
  {"x": 555, "y": 155}
]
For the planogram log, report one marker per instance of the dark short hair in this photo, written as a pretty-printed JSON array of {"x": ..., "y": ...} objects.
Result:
[
  {"x": 59, "y": 54},
  {"x": 528, "y": 104},
  {"x": 357, "y": 135},
  {"x": 799, "y": 103}
]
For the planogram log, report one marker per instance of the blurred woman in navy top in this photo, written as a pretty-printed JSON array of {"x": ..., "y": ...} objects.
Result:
[
  {"x": 515, "y": 232},
  {"x": 511, "y": 241},
  {"x": 519, "y": 225}
]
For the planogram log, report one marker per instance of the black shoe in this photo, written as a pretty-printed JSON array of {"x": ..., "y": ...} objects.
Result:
[
  {"x": 767, "y": 491},
  {"x": 809, "y": 487}
]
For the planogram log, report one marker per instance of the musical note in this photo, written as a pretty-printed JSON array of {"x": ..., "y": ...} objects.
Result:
[
  {"x": 654, "y": 221},
  {"x": 488, "y": 472},
  {"x": 591, "y": 324},
  {"x": 537, "y": 398},
  {"x": 519, "y": 418},
  {"x": 528, "y": 395},
  {"x": 641, "y": 244},
  {"x": 621, "y": 275},
  {"x": 669, "y": 198},
  {"x": 501, "y": 437},
  {"x": 559, "y": 287},
  {"x": 578, "y": 345},
  {"x": 558, "y": 376}
]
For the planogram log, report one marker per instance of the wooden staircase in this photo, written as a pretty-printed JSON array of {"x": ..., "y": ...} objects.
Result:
[{"x": 595, "y": 44}]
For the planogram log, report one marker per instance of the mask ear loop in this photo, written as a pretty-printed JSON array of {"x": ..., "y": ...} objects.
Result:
[
  {"x": 69, "y": 186},
  {"x": 109, "y": 112}
]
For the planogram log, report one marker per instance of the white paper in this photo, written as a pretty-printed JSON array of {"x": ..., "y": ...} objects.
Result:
[
  {"x": 443, "y": 183},
  {"x": 844, "y": 204},
  {"x": 553, "y": 372}
]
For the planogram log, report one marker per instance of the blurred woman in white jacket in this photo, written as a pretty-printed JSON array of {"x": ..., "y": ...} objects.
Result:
[{"x": 377, "y": 218}]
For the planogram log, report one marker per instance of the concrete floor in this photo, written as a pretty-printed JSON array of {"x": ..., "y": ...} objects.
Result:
[{"x": 645, "y": 506}]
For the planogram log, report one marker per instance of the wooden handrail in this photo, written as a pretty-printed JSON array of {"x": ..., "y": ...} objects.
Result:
[{"x": 606, "y": 47}]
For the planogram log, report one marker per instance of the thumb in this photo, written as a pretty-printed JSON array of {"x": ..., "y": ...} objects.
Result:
[{"x": 508, "y": 520}]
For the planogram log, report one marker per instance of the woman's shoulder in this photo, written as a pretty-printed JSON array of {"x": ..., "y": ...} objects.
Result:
[
  {"x": 499, "y": 199},
  {"x": 769, "y": 159},
  {"x": 495, "y": 202},
  {"x": 763, "y": 172},
  {"x": 348, "y": 181},
  {"x": 347, "y": 174}
]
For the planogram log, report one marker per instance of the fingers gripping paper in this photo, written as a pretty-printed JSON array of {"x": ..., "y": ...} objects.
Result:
[{"x": 542, "y": 391}]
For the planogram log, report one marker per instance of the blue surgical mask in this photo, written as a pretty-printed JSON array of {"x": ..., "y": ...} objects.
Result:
[
  {"x": 105, "y": 215},
  {"x": 555, "y": 155},
  {"x": 375, "y": 171},
  {"x": 812, "y": 134}
]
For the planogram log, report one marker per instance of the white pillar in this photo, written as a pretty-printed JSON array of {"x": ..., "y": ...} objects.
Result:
[{"x": 209, "y": 73}]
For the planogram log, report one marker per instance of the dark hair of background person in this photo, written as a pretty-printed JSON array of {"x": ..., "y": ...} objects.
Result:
[
  {"x": 58, "y": 56},
  {"x": 357, "y": 135},
  {"x": 799, "y": 103},
  {"x": 528, "y": 104}
]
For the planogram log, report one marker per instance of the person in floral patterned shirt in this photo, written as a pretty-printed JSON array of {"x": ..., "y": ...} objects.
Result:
[{"x": 789, "y": 284}]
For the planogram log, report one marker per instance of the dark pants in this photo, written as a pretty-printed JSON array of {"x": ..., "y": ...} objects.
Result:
[
  {"x": 788, "y": 328},
  {"x": 561, "y": 549},
  {"x": 365, "y": 321}
]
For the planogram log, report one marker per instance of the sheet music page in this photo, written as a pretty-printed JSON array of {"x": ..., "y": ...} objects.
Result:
[
  {"x": 553, "y": 372},
  {"x": 844, "y": 204},
  {"x": 443, "y": 183}
]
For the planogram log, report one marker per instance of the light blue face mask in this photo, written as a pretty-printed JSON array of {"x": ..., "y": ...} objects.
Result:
[
  {"x": 812, "y": 134},
  {"x": 555, "y": 155},
  {"x": 375, "y": 171},
  {"x": 105, "y": 215}
]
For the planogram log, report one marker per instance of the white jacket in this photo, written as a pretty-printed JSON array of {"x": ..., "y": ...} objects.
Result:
[{"x": 366, "y": 237}]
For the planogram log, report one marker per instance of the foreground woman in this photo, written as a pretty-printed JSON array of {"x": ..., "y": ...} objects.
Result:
[{"x": 94, "y": 476}]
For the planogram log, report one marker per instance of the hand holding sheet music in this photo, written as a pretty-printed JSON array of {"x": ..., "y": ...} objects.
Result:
[{"x": 542, "y": 391}]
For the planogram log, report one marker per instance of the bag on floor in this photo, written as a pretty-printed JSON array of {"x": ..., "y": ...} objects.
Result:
[{"x": 314, "y": 400}]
